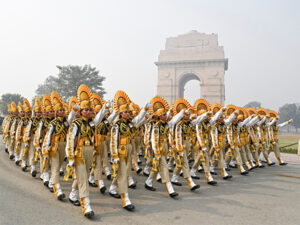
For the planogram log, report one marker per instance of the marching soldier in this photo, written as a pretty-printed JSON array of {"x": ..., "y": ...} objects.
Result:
[
  {"x": 159, "y": 140},
  {"x": 8, "y": 139},
  {"x": 54, "y": 143},
  {"x": 233, "y": 139},
  {"x": 203, "y": 143},
  {"x": 273, "y": 129},
  {"x": 100, "y": 156},
  {"x": 120, "y": 147},
  {"x": 81, "y": 144},
  {"x": 21, "y": 149},
  {"x": 218, "y": 135},
  {"x": 48, "y": 116},
  {"x": 30, "y": 130},
  {"x": 182, "y": 143}
]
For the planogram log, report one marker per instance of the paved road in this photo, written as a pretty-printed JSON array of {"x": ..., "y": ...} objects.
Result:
[{"x": 267, "y": 196}]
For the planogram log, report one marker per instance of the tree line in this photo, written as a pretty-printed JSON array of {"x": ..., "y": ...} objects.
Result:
[{"x": 66, "y": 83}]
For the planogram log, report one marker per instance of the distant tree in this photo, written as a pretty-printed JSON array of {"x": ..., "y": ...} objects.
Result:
[
  {"x": 287, "y": 112},
  {"x": 296, "y": 121},
  {"x": 7, "y": 99},
  {"x": 253, "y": 104},
  {"x": 51, "y": 84},
  {"x": 70, "y": 78}
]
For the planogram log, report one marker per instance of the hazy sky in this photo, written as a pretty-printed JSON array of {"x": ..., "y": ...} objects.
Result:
[{"x": 122, "y": 39}]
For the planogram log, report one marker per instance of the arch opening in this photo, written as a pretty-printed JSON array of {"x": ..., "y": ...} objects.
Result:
[{"x": 189, "y": 87}]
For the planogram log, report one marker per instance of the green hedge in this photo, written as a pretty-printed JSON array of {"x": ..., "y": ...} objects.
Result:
[{"x": 289, "y": 150}]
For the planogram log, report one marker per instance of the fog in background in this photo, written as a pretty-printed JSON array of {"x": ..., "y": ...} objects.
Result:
[{"x": 122, "y": 39}]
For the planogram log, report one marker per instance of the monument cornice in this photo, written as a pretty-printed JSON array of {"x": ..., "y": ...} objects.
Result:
[{"x": 193, "y": 62}]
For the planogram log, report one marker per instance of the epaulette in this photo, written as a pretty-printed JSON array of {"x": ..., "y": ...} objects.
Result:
[
  {"x": 77, "y": 121},
  {"x": 179, "y": 123}
]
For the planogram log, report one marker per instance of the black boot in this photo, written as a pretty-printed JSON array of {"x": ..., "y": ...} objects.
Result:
[
  {"x": 213, "y": 183},
  {"x": 76, "y": 203},
  {"x": 173, "y": 195},
  {"x": 129, "y": 207},
  {"x": 197, "y": 186},
  {"x": 89, "y": 215},
  {"x": 115, "y": 195},
  {"x": 103, "y": 189},
  {"x": 149, "y": 187}
]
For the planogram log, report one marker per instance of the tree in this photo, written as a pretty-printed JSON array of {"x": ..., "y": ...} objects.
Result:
[
  {"x": 70, "y": 78},
  {"x": 253, "y": 104},
  {"x": 51, "y": 84},
  {"x": 296, "y": 121},
  {"x": 287, "y": 112},
  {"x": 7, "y": 99}
]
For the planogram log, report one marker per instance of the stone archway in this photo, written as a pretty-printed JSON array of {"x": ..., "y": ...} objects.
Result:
[
  {"x": 192, "y": 56},
  {"x": 183, "y": 81}
]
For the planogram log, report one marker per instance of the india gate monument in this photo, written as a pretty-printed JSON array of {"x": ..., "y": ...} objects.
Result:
[{"x": 192, "y": 56}]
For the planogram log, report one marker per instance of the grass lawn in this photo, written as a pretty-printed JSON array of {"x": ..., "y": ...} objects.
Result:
[{"x": 285, "y": 139}]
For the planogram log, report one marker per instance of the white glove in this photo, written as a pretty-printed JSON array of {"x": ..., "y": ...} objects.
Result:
[
  {"x": 204, "y": 150},
  {"x": 38, "y": 149},
  {"x": 232, "y": 148},
  {"x": 116, "y": 161},
  {"x": 26, "y": 145},
  {"x": 71, "y": 163},
  {"x": 274, "y": 143},
  {"x": 157, "y": 158},
  {"x": 76, "y": 107},
  {"x": 187, "y": 111},
  {"x": 19, "y": 143},
  {"x": 107, "y": 104},
  {"x": 181, "y": 154},
  {"x": 147, "y": 106}
]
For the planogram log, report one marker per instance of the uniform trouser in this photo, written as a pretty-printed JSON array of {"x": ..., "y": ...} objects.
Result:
[
  {"x": 220, "y": 160},
  {"x": 149, "y": 158},
  {"x": 122, "y": 174},
  {"x": 163, "y": 171},
  {"x": 17, "y": 149},
  {"x": 172, "y": 159},
  {"x": 105, "y": 161},
  {"x": 192, "y": 152},
  {"x": 56, "y": 161},
  {"x": 75, "y": 184},
  {"x": 276, "y": 151},
  {"x": 133, "y": 154},
  {"x": 100, "y": 158},
  {"x": 185, "y": 163},
  {"x": 236, "y": 154},
  {"x": 248, "y": 152},
  {"x": 46, "y": 170},
  {"x": 29, "y": 156},
  {"x": 137, "y": 144},
  {"x": 255, "y": 153},
  {"x": 244, "y": 154},
  {"x": 21, "y": 153},
  {"x": 81, "y": 172},
  {"x": 11, "y": 145},
  {"x": 129, "y": 160},
  {"x": 205, "y": 163}
]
